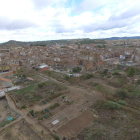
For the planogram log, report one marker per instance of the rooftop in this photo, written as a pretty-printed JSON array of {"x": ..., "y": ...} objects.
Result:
[{"x": 4, "y": 79}]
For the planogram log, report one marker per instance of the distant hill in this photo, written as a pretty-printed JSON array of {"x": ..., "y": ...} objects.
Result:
[
  {"x": 122, "y": 38},
  {"x": 14, "y": 43}
]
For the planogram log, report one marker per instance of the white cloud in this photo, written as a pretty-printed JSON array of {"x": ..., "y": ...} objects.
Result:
[{"x": 56, "y": 19}]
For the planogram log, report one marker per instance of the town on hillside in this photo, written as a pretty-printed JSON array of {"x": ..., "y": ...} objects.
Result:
[{"x": 82, "y": 89}]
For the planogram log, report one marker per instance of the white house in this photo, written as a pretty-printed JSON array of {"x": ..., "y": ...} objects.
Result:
[
  {"x": 56, "y": 59},
  {"x": 122, "y": 57}
]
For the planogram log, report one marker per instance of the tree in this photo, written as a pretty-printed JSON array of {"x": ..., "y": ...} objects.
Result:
[
  {"x": 105, "y": 71},
  {"x": 122, "y": 93},
  {"x": 49, "y": 73},
  {"x": 57, "y": 137},
  {"x": 131, "y": 71},
  {"x": 67, "y": 77},
  {"x": 75, "y": 70}
]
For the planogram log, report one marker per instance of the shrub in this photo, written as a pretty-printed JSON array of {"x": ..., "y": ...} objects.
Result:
[
  {"x": 103, "y": 89},
  {"x": 32, "y": 112},
  {"x": 131, "y": 71},
  {"x": 138, "y": 82},
  {"x": 40, "y": 118},
  {"x": 49, "y": 73},
  {"x": 122, "y": 93},
  {"x": 107, "y": 105},
  {"x": 86, "y": 76},
  {"x": 57, "y": 137},
  {"x": 89, "y": 76},
  {"x": 55, "y": 105},
  {"x": 24, "y": 76},
  {"x": 41, "y": 85},
  {"x": 53, "y": 96},
  {"x": 67, "y": 77},
  {"x": 52, "y": 93},
  {"x": 128, "y": 87},
  {"x": 113, "y": 105},
  {"x": 105, "y": 71},
  {"x": 63, "y": 96},
  {"x": 122, "y": 102},
  {"x": 116, "y": 73},
  {"x": 75, "y": 70},
  {"x": 24, "y": 106}
]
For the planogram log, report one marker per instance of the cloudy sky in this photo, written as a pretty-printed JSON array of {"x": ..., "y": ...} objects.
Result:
[{"x": 31, "y": 20}]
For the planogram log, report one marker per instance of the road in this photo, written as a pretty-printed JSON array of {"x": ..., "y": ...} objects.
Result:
[{"x": 66, "y": 72}]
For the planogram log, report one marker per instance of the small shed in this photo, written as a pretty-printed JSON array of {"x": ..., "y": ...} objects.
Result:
[
  {"x": 55, "y": 122},
  {"x": 10, "y": 119}
]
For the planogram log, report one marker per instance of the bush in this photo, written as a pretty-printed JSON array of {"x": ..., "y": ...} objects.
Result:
[
  {"x": 75, "y": 70},
  {"x": 55, "y": 105},
  {"x": 32, "y": 112},
  {"x": 57, "y": 137},
  {"x": 53, "y": 96},
  {"x": 67, "y": 77},
  {"x": 89, "y": 76},
  {"x": 63, "y": 96},
  {"x": 131, "y": 71},
  {"x": 122, "y": 102},
  {"x": 128, "y": 87},
  {"x": 107, "y": 105},
  {"x": 49, "y": 73},
  {"x": 122, "y": 93},
  {"x": 86, "y": 76},
  {"x": 105, "y": 71},
  {"x": 40, "y": 118},
  {"x": 24, "y": 106},
  {"x": 138, "y": 82},
  {"x": 113, "y": 105},
  {"x": 116, "y": 73},
  {"x": 41, "y": 85},
  {"x": 103, "y": 89}
]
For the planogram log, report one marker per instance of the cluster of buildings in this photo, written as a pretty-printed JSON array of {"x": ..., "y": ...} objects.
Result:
[{"x": 86, "y": 57}]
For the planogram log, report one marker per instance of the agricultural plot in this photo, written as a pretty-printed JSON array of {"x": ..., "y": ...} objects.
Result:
[
  {"x": 49, "y": 109},
  {"x": 7, "y": 112},
  {"x": 74, "y": 126},
  {"x": 19, "y": 131},
  {"x": 30, "y": 95}
]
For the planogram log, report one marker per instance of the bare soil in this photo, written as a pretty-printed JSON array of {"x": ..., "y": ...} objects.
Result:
[
  {"x": 6, "y": 111},
  {"x": 74, "y": 126},
  {"x": 19, "y": 131}
]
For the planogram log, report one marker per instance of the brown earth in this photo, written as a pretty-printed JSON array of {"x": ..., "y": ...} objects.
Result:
[{"x": 74, "y": 126}]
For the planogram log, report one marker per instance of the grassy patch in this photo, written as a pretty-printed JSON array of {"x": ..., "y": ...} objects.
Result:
[
  {"x": 55, "y": 105},
  {"x": 24, "y": 90}
]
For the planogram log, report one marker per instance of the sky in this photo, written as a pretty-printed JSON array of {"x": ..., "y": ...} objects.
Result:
[{"x": 36, "y": 20}]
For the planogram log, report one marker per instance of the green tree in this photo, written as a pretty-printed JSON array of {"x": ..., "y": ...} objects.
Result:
[
  {"x": 75, "y": 70},
  {"x": 131, "y": 71},
  {"x": 67, "y": 77},
  {"x": 32, "y": 112},
  {"x": 122, "y": 93},
  {"x": 57, "y": 137},
  {"x": 105, "y": 71},
  {"x": 49, "y": 73}
]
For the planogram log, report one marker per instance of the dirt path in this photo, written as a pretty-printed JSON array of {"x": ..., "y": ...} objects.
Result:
[
  {"x": 38, "y": 127},
  {"x": 76, "y": 92}
]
